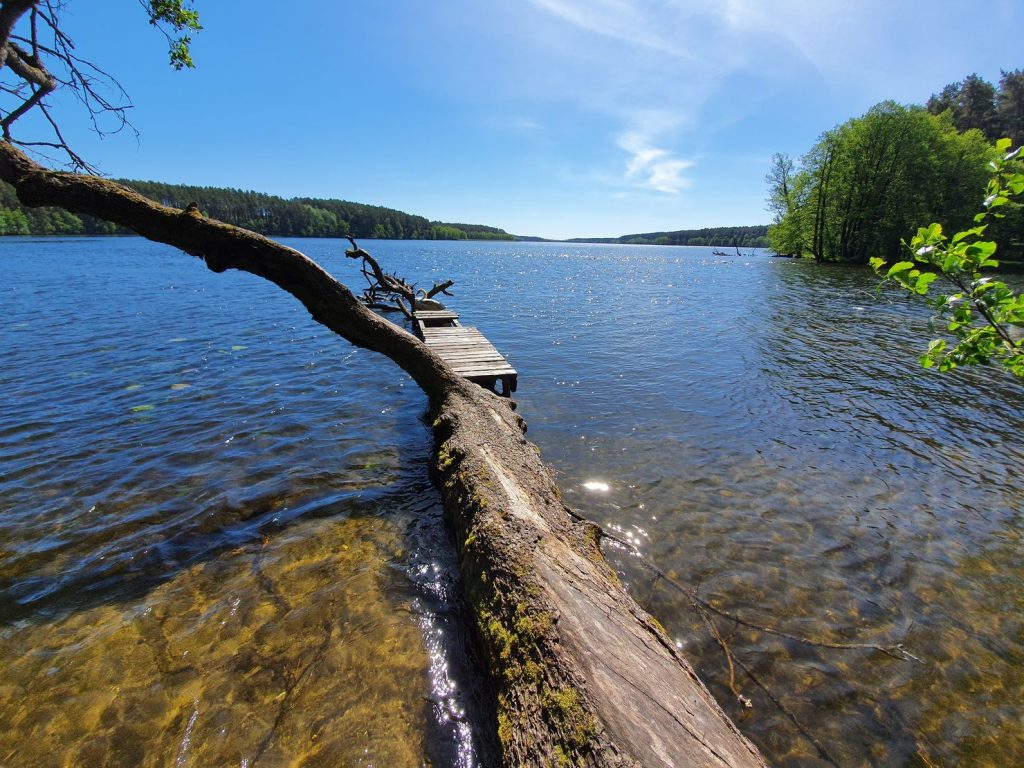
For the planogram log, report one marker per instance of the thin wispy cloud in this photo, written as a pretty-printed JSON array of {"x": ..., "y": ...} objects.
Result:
[
  {"x": 647, "y": 106},
  {"x": 672, "y": 59},
  {"x": 525, "y": 124},
  {"x": 517, "y": 125},
  {"x": 686, "y": 43},
  {"x": 621, "y": 20},
  {"x": 651, "y": 167},
  {"x": 718, "y": 36}
]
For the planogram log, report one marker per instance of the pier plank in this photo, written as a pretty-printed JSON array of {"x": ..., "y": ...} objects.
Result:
[{"x": 465, "y": 349}]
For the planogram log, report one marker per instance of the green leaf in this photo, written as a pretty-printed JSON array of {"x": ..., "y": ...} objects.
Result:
[
  {"x": 1003, "y": 144},
  {"x": 175, "y": 18},
  {"x": 981, "y": 249},
  {"x": 899, "y": 267},
  {"x": 923, "y": 281},
  {"x": 951, "y": 263},
  {"x": 976, "y": 231}
]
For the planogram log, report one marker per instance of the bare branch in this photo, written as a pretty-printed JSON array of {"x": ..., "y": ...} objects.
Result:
[
  {"x": 395, "y": 291},
  {"x": 390, "y": 291},
  {"x": 77, "y": 163},
  {"x": 440, "y": 288},
  {"x": 27, "y": 67},
  {"x": 37, "y": 79}
]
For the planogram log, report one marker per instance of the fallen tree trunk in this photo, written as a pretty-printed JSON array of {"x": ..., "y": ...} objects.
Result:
[{"x": 581, "y": 674}]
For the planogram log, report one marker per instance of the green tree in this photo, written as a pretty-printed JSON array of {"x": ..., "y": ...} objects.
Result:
[
  {"x": 785, "y": 190},
  {"x": 13, "y": 223},
  {"x": 983, "y": 315},
  {"x": 860, "y": 189},
  {"x": 972, "y": 103},
  {"x": 446, "y": 232},
  {"x": 975, "y": 103},
  {"x": 1010, "y": 106}
]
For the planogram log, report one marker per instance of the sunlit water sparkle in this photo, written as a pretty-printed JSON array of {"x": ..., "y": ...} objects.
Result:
[{"x": 208, "y": 498}]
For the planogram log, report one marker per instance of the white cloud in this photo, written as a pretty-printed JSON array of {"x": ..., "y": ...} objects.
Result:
[
  {"x": 651, "y": 167},
  {"x": 720, "y": 36},
  {"x": 525, "y": 124},
  {"x": 630, "y": 22},
  {"x": 659, "y": 69}
]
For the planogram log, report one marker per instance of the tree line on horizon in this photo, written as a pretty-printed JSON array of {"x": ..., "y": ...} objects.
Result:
[
  {"x": 266, "y": 214},
  {"x": 315, "y": 217},
  {"x": 868, "y": 184},
  {"x": 728, "y": 237}
]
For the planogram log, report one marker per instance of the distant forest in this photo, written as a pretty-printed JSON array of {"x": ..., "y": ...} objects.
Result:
[
  {"x": 729, "y": 237},
  {"x": 268, "y": 214},
  {"x": 313, "y": 217}
]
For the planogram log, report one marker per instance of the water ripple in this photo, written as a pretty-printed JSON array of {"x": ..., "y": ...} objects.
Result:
[{"x": 758, "y": 427}]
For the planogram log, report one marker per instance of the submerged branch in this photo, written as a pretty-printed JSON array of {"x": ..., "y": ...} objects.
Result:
[
  {"x": 897, "y": 650},
  {"x": 705, "y": 610},
  {"x": 790, "y": 715}
]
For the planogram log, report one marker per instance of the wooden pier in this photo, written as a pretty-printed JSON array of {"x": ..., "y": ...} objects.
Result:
[{"x": 465, "y": 349}]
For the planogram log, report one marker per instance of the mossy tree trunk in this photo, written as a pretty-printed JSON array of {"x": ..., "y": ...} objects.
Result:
[{"x": 581, "y": 674}]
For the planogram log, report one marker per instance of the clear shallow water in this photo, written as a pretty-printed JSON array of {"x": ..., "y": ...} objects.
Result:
[
  {"x": 219, "y": 543},
  {"x": 761, "y": 427}
]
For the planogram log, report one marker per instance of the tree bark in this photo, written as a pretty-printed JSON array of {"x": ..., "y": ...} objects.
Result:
[{"x": 581, "y": 674}]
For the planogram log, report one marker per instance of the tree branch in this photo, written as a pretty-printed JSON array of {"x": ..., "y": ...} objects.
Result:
[
  {"x": 381, "y": 282},
  {"x": 440, "y": 288},
  {"x": 579, "y": 671},
  {"x": 225, "y": 247},
  {"x": 982, "y": 308},
  {"x": 84, "y": 79},
  {"x": 11, "y": 12},
  {"x": 27, "y": 67}
]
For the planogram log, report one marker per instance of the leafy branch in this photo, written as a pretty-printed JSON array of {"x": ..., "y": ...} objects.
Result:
[
  {"x": 175, "y": 18},
  {"x": 982, "y": 314}
]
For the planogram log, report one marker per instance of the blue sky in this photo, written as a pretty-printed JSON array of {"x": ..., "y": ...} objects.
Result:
[{"x": 557, "y": 118}]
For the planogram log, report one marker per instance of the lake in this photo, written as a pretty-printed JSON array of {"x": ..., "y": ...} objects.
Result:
[{"x": 220, "y": 543}]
